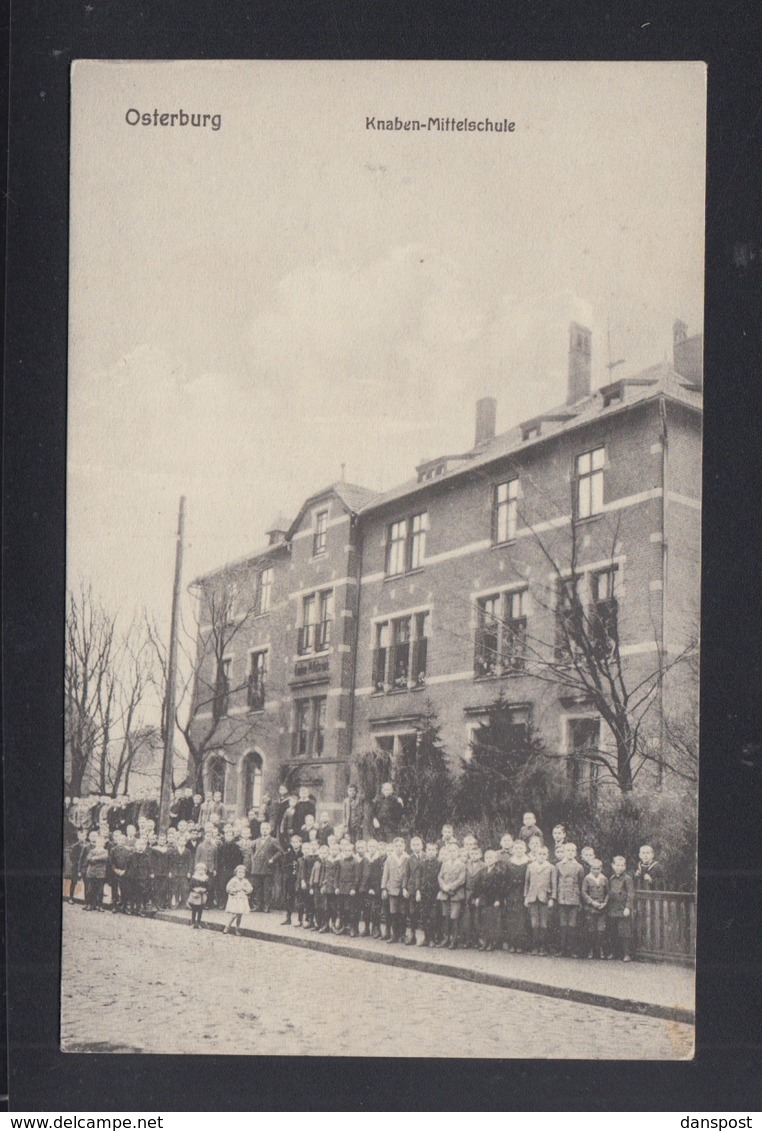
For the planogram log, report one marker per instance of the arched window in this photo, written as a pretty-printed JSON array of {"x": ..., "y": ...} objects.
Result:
[{"x": 252, "y": 781}]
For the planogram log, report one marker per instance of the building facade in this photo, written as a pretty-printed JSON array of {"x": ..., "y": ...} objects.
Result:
[{"x": 460, "y": 585}]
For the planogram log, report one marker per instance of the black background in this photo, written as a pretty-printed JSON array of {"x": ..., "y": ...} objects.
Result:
[{"x": 46, "y": 36}]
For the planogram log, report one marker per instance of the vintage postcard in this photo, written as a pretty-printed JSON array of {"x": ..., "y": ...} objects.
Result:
[{"x": 384, "y": 517}]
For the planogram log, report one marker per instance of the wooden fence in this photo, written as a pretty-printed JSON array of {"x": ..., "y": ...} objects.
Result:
[{"x": 665, "y": 925}]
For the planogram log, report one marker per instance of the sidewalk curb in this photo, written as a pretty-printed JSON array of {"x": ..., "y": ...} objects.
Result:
[{"x": 406, "y": 961}]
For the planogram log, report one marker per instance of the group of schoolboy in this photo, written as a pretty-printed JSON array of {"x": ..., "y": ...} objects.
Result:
[{"x": 523, "y": 896}]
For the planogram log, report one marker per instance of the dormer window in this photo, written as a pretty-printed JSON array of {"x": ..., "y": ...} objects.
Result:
[{"x": 614, "y": 395}]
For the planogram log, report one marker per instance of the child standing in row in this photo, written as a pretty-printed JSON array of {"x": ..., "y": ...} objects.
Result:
[
  {"x": 595, "y": 895},
  {"x": 199, "y": 893},
  {"x": 238, "y": 891}
]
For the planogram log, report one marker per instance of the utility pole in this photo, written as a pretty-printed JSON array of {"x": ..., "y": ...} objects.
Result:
[{"x": 171, "y": 692}]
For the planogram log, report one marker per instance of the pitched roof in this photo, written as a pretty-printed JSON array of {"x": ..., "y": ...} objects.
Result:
[
  {"x": 608, "y": 401},
  {"x": 353, "y": 497}
]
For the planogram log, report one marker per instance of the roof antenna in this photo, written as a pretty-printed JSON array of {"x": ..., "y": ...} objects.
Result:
[
  {"x": 620, "y": 361},
  {"x": 343, "y": 470}
]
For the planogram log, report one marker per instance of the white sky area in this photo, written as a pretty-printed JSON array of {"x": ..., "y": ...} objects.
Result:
[{"x": 254, "y": 306}]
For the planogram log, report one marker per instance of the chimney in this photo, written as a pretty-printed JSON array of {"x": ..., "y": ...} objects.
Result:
[
  {"x": 687, "y": 354},
  {"x": 580, "y": 363},
  {"x": 486, "y": 414}
]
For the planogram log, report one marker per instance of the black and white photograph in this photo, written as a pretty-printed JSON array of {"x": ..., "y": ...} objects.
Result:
[{"x": 382, "y": 640}]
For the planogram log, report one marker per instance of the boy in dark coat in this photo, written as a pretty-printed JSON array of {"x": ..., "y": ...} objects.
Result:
[
  {"x": 73, "y": 856},
  {"x": 371, "y": 874},
  {"x": 290, "y": 863},
  {"x": 317, "y": 876},
  {"x": 229, "y": 857},
  {"x": 619, "y": 910},
  {"x": 138, "y": 872},
  {"x": 428, "y": 909},
  {"x": 119, "y": 856},
  {"x": 328, "y": 888},
  {"x": 488, "y": 896},
  {"x": 158, "y": 855},
  {"x": 347, "y": 885},
  {"x": 305, "y": 907},
  {"x": 412, "y": 888}
]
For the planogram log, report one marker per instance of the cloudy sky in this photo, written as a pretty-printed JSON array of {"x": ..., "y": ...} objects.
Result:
[{"x": 251, "y": 307}]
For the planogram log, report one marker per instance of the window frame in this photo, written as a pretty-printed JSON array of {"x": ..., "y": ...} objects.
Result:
[
  {"x": 590, "y": 479},
  {"x": 255, "y": 679},
  {"x": 506, "y": 628},
  {"x": 264, "y": 599},
  {"x": 508, "y": 506},
  {"x": 405, "y": 547},
  {"x": 320, "y": 535},
  {"x": 387, "y": 648}
]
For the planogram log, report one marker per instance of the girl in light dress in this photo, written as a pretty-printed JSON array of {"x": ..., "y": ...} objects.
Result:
[{"x": 239, "y": 889}]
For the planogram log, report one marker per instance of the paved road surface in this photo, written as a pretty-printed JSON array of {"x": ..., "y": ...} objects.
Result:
[{"x": 138, "y": 985}]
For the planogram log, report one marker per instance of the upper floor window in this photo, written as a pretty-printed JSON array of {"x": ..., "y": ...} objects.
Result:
[
  {"x": 325, "y": 620},
  {"x": 255, "y": 681},
  {"x": 501, "y": 636},
  {"x": 395, "y": 547},
  {"x": 264, "y": 597},
  {"x": 221, "y": 700},
  {"x": 406, "y": 544},
  {"x": 401, "y": 652},
  {"x": 505, "y": 504},
  {"x": 321, "y": 533},
  {"x": 317, "y": 621},
  {"x": 604, "y": 611},
  {"x": 570, "y": 620},
  {"x": 588, "y": 476}
]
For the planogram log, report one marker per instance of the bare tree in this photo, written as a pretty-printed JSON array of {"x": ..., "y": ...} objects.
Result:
[
  {"x": 205, "y": 686},
  {"x": 577, "y": 649},
  {"x": 106, "y": 676}
]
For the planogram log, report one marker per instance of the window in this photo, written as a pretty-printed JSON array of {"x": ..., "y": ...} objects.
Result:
[
  {"x": 317, "y": 621},
  {"x": 501, "y": 633},
  {"x": 569, "y": 620},
  {"x": 487, "y": 658},
  {"x": 325, "y": 620},
  {"x": 417, "y": 541},
  {"x": 583, "y": 744},
  {"x": 222, "y": 689},
  {"x": 505, "y": 510},
  {"x": 515, "y": 629},
  {"x": 321, "y": 531},
  {"x": 255, "y": 697},
  {"x": 401, "y": 653},
  {"x": 603, "y": 613},
  {"x": 589, "y": 483},
  {"x": 307, "y": 631},
  {"x": 309, "y": 728},
  {"x": 319, "y": 710},
  {"x": 402, "y": 746},
  {"x": 303, "y": 711},
  {"x": 264, "y": 590},
  {"x": 395, "y": 548},
  {"x": 406, "y": 544}
]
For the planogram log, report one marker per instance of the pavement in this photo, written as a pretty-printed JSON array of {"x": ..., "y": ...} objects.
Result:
[
  {"x": 148, "y": 985},
  {"x": 662, "y": 990}
]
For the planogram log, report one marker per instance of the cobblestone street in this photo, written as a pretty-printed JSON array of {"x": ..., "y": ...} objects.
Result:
[{"x": 140, "y": 985}]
